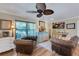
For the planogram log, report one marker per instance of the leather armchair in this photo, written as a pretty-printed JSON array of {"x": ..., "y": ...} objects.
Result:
[{"x": 24, "y": 46}]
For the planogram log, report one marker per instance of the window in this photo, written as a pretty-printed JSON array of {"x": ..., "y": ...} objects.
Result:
[
  {"x": 20, "y": 29},
  {"x": 20, "y": 25},
  {"x": 24, "y": 29},
  {"x": 31, "y": 29}
]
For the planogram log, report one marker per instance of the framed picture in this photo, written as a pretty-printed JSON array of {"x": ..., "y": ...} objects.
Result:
[
  {"x": 41, "y": 26},
  {"x": 5, "y": 34},
  {"x": 70, "y": 26},
  {"x": 59, "y": 25},
  {"x": 5, "y": 24}
]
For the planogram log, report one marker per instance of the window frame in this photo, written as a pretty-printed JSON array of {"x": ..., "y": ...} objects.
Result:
[{"x": 26, "y": 26}]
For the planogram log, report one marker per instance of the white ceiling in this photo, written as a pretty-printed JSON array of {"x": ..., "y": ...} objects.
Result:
[{"x": 61, "y": 11}]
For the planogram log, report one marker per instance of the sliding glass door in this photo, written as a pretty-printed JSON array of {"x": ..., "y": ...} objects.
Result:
[{"x": 24, "y": 29}]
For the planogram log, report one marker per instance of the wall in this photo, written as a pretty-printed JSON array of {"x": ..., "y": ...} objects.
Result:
[
  {"x": 48, "y": 24},
  {"x": 13, "y": 18},
  {"x": 4, "y": 16},
  {"x": 71, "y": 32},
  {"x": 78, "y": 27}
]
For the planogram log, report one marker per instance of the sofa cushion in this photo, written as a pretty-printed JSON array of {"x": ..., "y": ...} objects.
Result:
[
  {"x": 74, "y": 40},
  {"x": 23, "y": 42}
]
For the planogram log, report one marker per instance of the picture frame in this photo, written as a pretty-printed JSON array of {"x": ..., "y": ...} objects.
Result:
[
  {"x": 5, "y": 34},
  {"x": 5, "y": 24},
  {"x": 41, "y": 23},
  {"x": 58, "y": 25},
  {"x": 70, "y": 26},
  {"x": 41, "y": 26}
]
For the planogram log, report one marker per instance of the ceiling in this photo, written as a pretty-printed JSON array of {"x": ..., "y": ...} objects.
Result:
[{"x": 61, "y": 11}]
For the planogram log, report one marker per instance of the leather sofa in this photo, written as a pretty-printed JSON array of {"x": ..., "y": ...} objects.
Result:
[
  {"x": 63, "y": 47},
  {"x": 25, "y": 45}
]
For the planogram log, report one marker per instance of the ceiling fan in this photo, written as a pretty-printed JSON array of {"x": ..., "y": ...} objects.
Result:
[{"x": 41, "y": 10}]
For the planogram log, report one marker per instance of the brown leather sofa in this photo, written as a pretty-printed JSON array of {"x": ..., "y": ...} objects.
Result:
[
  {"x": 24, "y": 46},
  {"x": 63, "y": 47}
]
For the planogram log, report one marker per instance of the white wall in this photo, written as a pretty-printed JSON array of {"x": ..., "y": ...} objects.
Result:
[
  {"x": 13, "y": 18},
  {"x": 78, "y": 27},
  {"x": 70, "y": 32}
]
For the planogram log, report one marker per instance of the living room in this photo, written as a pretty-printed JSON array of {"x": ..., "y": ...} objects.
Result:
[{"x": 27, "y": 31}]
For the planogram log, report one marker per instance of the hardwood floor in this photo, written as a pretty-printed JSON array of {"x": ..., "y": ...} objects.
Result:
[
  {"x": 8, "y": 53},
  {"x": 37, "y": 52},
  {"x": 42, "y": 49},
  {"x": 41, "y": 52}
]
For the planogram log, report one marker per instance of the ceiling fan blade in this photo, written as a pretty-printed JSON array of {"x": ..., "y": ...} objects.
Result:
[
  {"x": 41, "y": 6},
  {"x": 39, "y": 15},
  {"x": 31, "y": 11},
  {"x": 48, "y": 12}
]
